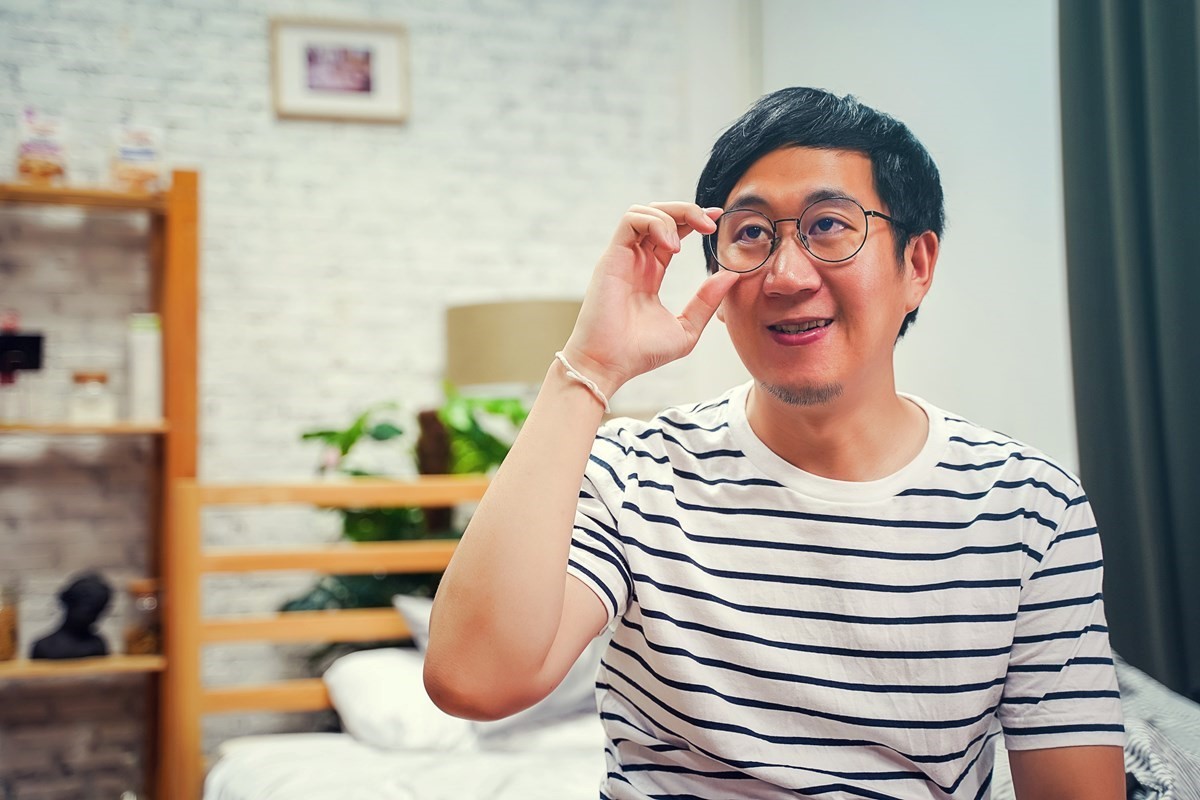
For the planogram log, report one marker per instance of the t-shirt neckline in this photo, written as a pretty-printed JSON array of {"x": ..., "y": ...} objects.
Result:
[{"x": 829, "y": 489}]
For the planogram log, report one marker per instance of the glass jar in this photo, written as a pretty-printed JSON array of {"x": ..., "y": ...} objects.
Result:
[
  {"x": 9, "y": 614},
  {"x": 92, "y": 402},
  {"x": 143, "y": 630}
]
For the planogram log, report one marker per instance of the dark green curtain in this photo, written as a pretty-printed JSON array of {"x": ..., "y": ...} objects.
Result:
[{"x": 1130, "y": 79}]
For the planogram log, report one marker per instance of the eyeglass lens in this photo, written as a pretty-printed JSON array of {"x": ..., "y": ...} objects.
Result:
[{"x": 832, "y": 230}]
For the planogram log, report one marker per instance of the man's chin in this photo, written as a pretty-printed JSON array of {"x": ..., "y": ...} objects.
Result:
[{"x": 803, "y": 394}]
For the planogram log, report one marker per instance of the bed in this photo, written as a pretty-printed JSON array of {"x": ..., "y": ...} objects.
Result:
[
  {"x": 395, "y": 744},
  {"x": 336, "y": 766}
]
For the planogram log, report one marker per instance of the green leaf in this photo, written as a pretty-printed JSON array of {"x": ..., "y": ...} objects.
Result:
[{"x": 384, "y": 431}]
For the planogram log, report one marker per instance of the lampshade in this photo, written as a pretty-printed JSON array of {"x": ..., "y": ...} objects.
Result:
[{"x": 506, "y": 342}]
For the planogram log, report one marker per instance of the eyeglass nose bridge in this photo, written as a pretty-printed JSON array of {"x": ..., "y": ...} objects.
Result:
[{"x": 776, "y": 238}]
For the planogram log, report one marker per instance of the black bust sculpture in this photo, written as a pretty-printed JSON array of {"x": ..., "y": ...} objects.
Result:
[{"x": 83, "y": 601}]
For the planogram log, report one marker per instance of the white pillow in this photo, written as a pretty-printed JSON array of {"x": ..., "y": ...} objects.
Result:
[
  {"x": 575, "y": 695},
  {"x": 380, "y": 697}
]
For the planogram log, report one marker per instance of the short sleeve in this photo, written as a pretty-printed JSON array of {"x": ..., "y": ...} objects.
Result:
[
  {"x": 597, "y": 555},
  {"x": 1061, "y": 688}
]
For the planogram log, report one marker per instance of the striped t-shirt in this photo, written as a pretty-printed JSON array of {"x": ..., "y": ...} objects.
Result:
[{"x": 780, "y": 634}]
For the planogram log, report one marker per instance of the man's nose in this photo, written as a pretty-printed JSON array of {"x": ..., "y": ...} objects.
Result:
[{"x": 791, "y": 268}]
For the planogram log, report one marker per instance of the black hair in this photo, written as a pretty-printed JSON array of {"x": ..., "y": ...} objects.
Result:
[{"x": 906, "y": 178}]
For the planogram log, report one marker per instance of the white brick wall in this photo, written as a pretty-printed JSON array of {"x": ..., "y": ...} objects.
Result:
[{"x": 329, "y": 251}]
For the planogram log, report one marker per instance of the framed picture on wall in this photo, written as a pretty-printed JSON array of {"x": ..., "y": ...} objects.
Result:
[{"x": 326, "y": 69}]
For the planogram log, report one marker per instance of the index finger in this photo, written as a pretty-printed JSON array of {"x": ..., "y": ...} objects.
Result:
[{"x": 690, "y": 217}]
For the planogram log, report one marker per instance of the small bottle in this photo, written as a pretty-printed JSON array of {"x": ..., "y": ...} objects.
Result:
[
  {"x": 92, "y": 403},
  {"x": 144, "y": 348},
  {"x": 143, "y": 632},
  {"x": 9, "y": 617}
]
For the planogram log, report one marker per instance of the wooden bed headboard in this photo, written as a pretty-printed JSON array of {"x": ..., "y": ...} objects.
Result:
[{"x": 185, "y": 700}]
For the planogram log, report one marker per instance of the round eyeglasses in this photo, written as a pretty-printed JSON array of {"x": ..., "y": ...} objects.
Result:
[{"x": 833, "y": 230}]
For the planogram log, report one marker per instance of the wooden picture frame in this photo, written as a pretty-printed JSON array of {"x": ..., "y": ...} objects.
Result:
[{"x": 339, "y": 70}]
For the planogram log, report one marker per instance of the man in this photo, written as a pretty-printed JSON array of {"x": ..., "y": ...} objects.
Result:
[{"x": 816, "y": 586}]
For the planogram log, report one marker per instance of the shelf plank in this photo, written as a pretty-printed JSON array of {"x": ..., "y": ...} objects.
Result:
[
  {"x": 302, "y": 694},
  {"x": 341, "y": 625},
  {"x": 425, "y": 490},
  {"x": 423, "y": 555},
  {"x": 80, "y": 667},
  {"x": 81, "y": 196},
  {"x": 71, "y": 429}
]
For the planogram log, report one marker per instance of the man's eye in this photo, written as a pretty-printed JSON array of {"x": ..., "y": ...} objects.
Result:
[
  {"x": 752, "y": 232},
  {"x": 826, "y": 225}
]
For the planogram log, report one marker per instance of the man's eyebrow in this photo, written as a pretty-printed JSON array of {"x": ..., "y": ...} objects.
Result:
[{"x": 751, "y": 200}]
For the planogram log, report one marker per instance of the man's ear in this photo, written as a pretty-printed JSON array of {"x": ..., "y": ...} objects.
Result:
[{"x": 921, "y": 256}]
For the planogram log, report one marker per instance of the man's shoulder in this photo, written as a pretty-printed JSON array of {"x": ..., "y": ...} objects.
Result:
[
  {"x": 970, "y": 445},
  {"x": 680, "y": 421}
]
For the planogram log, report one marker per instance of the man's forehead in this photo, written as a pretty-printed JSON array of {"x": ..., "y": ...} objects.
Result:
[{"x": 799, "y": 176}]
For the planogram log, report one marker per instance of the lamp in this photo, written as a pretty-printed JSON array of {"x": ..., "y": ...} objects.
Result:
[{"x": 506, "y": 344}]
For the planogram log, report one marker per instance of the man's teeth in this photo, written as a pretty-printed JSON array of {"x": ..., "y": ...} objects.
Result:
[{"x": 807, "y": 326}]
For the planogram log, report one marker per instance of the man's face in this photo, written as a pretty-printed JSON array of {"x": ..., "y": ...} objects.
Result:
[{"x": 859, "y": 303}]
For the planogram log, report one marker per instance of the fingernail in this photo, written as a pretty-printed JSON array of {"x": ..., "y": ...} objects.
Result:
[{"x": 714, "y": 208}]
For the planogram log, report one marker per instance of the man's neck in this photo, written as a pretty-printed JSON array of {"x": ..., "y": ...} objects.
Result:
[{"x": 861, "y": 436}]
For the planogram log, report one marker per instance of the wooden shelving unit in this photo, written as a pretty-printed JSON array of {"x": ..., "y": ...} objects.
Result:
[
  {"x": 83, "y": 196},
  {"x": 81, "y": 667},
  {"x": 68, "y": 429},
  {"x": 173, "y": 248},
  {"x": 187, "y": 562}
]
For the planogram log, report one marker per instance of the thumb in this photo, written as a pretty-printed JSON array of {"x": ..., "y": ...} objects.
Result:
[{"x": 700, "y": 309}]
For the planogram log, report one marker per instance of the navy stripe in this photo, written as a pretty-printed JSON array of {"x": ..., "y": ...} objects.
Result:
[
  {"x": 1080, "y": 695},
  {"x": 1081, "y": 499},
  {"x": 600, "y": 437},
  {"x": 596, "y": 460},
  {"x": 1011, "y": 456},
  {"x": 1013, "y": 442},
  {"x": 929, "y": 758},
  {"x": 1078, "y": 660},
  {"x": 679, "y": 768},
  {"x": 689, "y": 426},
  {"x": 1082, "y": 728},
  {"x": 883, "y": 688},
  {"x": 766, "y": 544},
  {"x": 1070, "y": 601},
  {"x": 617, "y": 564},
  {"x": 803, "y": 580},
  {"x": 1049, "y": 637},
  {"x": 845, "y": 520},
  {"x": 983, "y": 787},
  {"x": 717, "y": 404},
  {"x": 766, "y": 705},
  {"x": 836, "y": 651},
  {"x": 1076, "y": 534},
  {"x": 1085, "y": 567},
  {"x": 691, "y": 476},
  {"x": 832, "y": 616},
  {"x": 612, "y": 600},
  {"x": 609, "y": 529},
  {"x": 646, "y": 434},
  {"x": 1034, "y": 482}
]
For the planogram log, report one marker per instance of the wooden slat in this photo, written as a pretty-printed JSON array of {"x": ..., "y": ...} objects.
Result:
[
  {"x": 181, "y": 774},
  {"x": 179, "y": 290},
  {"x": 425, "y": 490},
  {"x": 345, "y": 625},
  {"x": 76, "y": 196},
  {"x": 430, "y": 555},
  {"x": 81, "y": 667},
  {"x": 68, "y": 429},
  {"x": 307, "y": 694}
]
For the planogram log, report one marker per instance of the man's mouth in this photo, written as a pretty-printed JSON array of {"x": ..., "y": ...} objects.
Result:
[{"x": 799, "y": 327}]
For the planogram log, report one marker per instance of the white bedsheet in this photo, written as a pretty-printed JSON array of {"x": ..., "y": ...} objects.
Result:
[{"x": 561, "y": 762}]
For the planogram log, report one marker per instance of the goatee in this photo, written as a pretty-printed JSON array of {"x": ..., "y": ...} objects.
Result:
[{"x": 803, "y": 395}]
